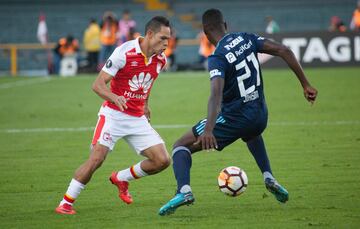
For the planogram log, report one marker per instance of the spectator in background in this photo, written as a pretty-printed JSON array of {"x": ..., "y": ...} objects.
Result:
[
  {"x": 42, "y": 34},
  {"x": 108, "y": 33},
  {"x": 133, "y": 34},
  {"x": 125, "y": 25},
  {"x": 271, "y": 27},
  {"x": 92, "y": 44},
  {"x": 205, "y": 49},
  {"x": 355, "y": 21},
  {"x": 336, "y": 25},
  {"x": 170, "y": 51},
  {"x": 66, "y": 46}
]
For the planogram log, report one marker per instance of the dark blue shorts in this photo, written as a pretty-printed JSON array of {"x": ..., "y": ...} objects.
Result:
[{"x": 230, "y": 127}]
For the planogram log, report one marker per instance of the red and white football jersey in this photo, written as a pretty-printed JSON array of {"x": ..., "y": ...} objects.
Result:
[{"x": 133, "y": 75}]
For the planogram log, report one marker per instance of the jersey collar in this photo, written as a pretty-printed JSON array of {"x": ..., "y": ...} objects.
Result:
[
  {"x": 221, "y": 40},
  {"x": 137, "y": 44},
  {"x": 138, "y": 50}
]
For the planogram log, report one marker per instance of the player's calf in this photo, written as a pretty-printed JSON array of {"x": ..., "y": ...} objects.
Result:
[{"x": 158, "y": 159}]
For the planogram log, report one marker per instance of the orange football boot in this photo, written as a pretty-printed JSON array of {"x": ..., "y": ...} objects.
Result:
[
  {"x": 122, "y": 187},
  {"x": 65, "y": 209}
]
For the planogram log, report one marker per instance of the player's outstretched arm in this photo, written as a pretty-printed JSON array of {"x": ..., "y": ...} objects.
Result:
[
  {"x": 100, "y": 87},
  {"x": 276, "y": 49}
]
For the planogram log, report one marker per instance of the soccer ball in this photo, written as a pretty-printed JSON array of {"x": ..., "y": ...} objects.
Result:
[{"x": 232, "y": 181}]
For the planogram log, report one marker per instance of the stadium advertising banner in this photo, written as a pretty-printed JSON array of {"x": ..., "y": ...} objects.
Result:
[{"x": 317, "y": 49}]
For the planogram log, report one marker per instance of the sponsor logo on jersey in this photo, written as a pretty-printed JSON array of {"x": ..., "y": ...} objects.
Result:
[
  {"x": 108, "y": 63},
  {"x": 229, "y": 39},
  {"x": 132, "y": 95},
  {"x": 233, "y": 43},
  {"x": 131, "y": 53},
  {"x": 251, "y": 96},
  {"x": 215, "y": 72},
  {"x": 134, "y": 64},
  {"x": 230, "y": 57},
  {"x": 243, "y": 48},
  {"x": 142, "y": 82}
]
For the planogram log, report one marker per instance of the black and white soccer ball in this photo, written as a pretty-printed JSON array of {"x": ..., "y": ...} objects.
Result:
[{"x": 232, "y": 181}]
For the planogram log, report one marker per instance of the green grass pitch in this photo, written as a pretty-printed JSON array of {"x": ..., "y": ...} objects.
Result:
[{"x": 314, "y": 151}]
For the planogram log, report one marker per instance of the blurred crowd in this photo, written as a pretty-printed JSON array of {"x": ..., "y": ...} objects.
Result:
[{"x": 100, "y": 40}]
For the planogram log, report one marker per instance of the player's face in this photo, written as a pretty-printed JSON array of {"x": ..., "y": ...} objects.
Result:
[
  {"x": 159, "y": 40},
  {"x": 210, "y": 37},
  {"x": 211, "y": 32}
]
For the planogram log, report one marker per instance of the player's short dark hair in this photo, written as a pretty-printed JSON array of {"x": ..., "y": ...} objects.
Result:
[
  {"x": 212, "y": 17},
  {"x": 155, "y": 24}
]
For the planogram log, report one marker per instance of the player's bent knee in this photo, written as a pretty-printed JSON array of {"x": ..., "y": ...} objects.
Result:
[
  {"x": 178, "y": 143},
  {"x": 97, "y": 156},
  {"x": 187, "y": 140},
  {"x": 163, "y": 162}
]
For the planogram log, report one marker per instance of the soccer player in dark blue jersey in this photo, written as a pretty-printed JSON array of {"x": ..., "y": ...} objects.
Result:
[{"x": 236, "y": 107}]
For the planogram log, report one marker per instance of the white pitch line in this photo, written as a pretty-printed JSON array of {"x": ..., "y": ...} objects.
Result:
[
  {"x": 24, "y": 83},
  {"x": 37, "y": 130},
  {"x": 179, "y": 126},
  {"x": 316, "y": 123},
  {"x": 79, "y": 129}
]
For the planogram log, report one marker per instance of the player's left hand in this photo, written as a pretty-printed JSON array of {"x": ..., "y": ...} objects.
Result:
[
  {"x": 147, "y": 112},
  {"x": 310, "y": 94},
  {"x": 207, "y": 141}
]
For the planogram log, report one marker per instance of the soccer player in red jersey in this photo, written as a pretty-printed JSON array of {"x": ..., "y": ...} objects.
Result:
[{"x": 131, "y": 70}]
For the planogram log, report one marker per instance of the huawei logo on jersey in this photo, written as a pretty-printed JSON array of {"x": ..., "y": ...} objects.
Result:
[{"x": 141, "y": 82}]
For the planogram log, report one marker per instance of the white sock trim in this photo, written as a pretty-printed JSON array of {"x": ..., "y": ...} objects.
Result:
[
  {"x": 125, "y": 175},
  {"x": 267, "y": 174},
  {"x": 75, "y": 187},
  {"x": 73, "y": 191},
  {"x": 75, "y": 182},
  {"x": 175, "y": 150},
  {"x": 186, "y": 188},
  {"x": 138, "y": 170}
]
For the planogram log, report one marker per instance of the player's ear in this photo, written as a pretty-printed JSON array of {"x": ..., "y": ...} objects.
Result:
[
  {"x": 225, "y": 25},
  {"x": 150, "y": 33}
]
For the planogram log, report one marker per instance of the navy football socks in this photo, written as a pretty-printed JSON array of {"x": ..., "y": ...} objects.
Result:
[
  {"x": 181, "y": 164},
  {"x": 257, "y": 149}
]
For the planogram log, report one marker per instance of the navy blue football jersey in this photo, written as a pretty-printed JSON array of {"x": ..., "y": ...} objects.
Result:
[{"x": 235, "y": 60}]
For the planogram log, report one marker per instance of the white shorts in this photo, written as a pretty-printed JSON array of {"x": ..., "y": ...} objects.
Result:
[{"x": 136, "y": 131}]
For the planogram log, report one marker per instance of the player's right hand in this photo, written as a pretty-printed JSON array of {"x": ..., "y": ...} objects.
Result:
[
  {"x": 120, "y": 101},
  {"x": 310, "y": 94},
  {"x": 207, "y": 141}
]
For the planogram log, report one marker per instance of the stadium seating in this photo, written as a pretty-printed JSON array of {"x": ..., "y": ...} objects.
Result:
[{"x": 19, "y": 18}]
